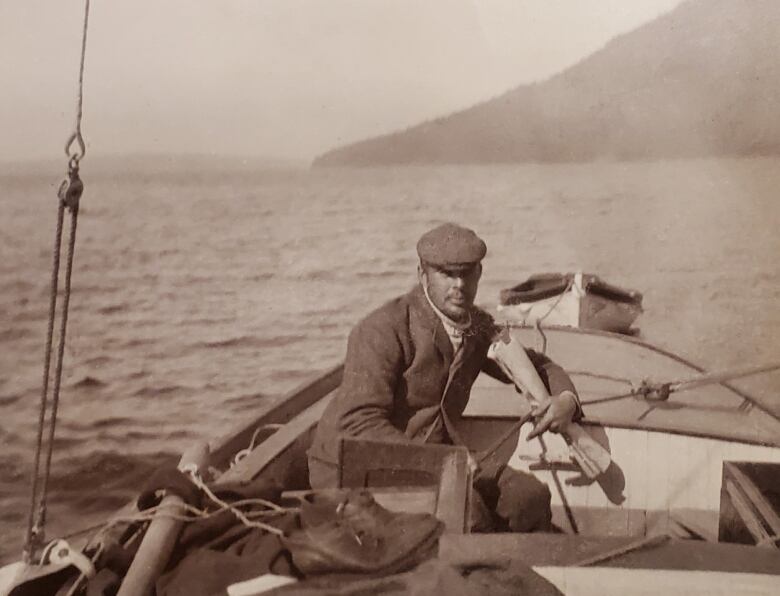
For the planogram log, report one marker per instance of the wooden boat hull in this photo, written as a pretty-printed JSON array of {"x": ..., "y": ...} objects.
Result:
[
  {"x": 666, "y": 478},
  {"x": 668, "y": 461}
]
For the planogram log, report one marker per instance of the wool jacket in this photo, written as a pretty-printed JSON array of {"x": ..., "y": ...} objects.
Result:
[{"x": 399, "y": 363}]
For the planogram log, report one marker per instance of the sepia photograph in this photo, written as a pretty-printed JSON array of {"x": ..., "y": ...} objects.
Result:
[{"x": 348, "y": 297}]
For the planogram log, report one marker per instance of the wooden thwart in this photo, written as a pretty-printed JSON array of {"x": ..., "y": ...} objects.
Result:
[{"x": 376, "y": 464}]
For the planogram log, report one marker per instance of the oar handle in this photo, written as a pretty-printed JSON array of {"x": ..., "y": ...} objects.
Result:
[{"x": 512, "y": 357}]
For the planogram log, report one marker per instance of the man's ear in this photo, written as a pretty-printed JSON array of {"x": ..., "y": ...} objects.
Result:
[
  {"x": 479, "y": 271},
  {"x": 421, "y": 276}
]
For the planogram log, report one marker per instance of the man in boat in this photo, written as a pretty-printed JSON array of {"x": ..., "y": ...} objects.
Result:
[{"x": 408, "y": 373}]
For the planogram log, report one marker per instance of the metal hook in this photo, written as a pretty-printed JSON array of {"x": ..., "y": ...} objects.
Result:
[{"x": 75, "y": 156}]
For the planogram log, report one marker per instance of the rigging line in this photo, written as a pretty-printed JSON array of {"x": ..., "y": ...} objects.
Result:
[
  {"x": 600, "y": 376},
  {"x": 76, "y": 135},
  {"x": 69, "y": 193},
  {"x": 45, "y": 389},
  {"x": 656, "y": 392},
  {"x": 58, "y": 370}
]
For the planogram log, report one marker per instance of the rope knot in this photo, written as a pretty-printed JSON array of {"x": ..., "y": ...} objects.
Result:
[{"x": 651, "y": 391}]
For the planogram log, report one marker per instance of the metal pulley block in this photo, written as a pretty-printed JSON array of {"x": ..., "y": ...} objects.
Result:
[{"x": 71, "y": 189}]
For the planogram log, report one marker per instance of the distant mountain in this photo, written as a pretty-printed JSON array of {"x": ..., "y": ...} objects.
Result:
[
  {"x": 111, "y": 165},
  {"x": 701, "y": 80}
]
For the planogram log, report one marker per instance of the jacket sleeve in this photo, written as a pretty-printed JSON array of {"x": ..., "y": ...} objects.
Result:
[
  {"x": 554, "y": 378},
  {"x": 372, "y": 370}
]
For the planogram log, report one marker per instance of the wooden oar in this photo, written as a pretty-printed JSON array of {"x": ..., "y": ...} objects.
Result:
[{"x": 589, "y": 454}]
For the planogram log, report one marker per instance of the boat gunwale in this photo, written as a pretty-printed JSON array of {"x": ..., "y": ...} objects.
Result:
[{"x": 286, "y": 407}]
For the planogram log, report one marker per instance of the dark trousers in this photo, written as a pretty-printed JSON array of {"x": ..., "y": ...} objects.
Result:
[
  {"x": 508, "y": 500},
  {"x": 502, "y": 500}
]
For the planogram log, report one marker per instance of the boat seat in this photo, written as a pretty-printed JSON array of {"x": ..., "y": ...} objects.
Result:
[{"x": 399, "y": 468}]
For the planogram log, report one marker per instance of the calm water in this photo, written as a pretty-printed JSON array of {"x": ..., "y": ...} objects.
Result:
[{"x": 197, "y": 298}]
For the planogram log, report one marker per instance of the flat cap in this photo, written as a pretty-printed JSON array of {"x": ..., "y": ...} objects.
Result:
[{"x": 450, "y": 245}]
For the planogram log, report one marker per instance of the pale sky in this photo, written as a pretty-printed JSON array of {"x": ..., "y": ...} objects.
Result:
[{"x": 284, "y": 78}]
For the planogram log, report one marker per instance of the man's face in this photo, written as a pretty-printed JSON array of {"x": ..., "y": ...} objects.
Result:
[{"x": 452, "y": 289}]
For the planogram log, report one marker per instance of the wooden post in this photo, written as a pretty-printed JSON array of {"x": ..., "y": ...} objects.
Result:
[{"x": 160, "y": 538}]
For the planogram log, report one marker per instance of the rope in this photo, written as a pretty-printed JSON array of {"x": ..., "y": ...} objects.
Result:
[
  {"x": 538, "y": 321},
  {"x": 69, "y": 193},
  {"x": 238, "y": 513},
  {"x": 556, "y": 303},
  {"x": 484, "y": 455},
  {"x": 244, "y": 452},
  {"x": 661, "y": 391},
  {"x": 75, "y": 156},
  {"x": 599, "y": 376},
  {"x": 157, "y": 511},
  {"x": 58, "y": 370},
  {"x": 45, "y": 389}
]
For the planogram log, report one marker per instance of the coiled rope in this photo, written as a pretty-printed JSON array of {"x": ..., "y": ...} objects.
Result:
[{"x": 69, "y": 194}]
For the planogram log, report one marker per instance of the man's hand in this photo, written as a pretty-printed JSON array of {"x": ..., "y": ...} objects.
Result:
[{"x": 556, "y": 414}]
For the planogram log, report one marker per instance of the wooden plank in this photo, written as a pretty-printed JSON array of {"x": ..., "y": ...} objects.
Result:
[
  {"x": 453, "y": 502},
  {"x": 272, "y": 448},
  {"x": 376, "y": 464},
  {"x": 629, "y": 451},
  {"x": 600, "y": 581},
  {"x": 289, "y": 406},
  {"x": 714, "y": 474},
  {"x": 601, "y": 523},
  {"x": 369, "y": 463},
  {"x": 658, "y": 482},
  {"x": 678, "y": 468},
  {"x": 750, "y": 502},
  {"x": 637, "y": 522},
  {"x": 695, "y": 524},
  {"x": 406, "y": 499},
  {"x": 685, "y": 470},
  {"x": 532, "y": 549},
  {"x": 565, "y": 550},
  {"x": 630, "y": 456},
  {"x": 703, "y": 472}
]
